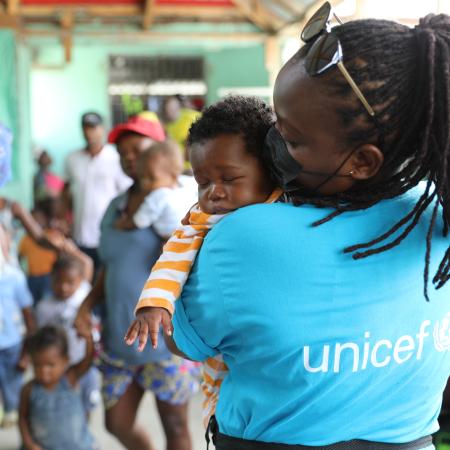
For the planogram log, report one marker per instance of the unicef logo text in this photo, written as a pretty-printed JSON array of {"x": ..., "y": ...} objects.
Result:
[{"x": 441, "y": 334}]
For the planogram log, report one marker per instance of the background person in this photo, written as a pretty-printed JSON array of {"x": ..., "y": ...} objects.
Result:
[
  {"x": 93, "y": 178},
  {"x": 168, "y": 191},
  {"x": 71, "y": 283},
  {"x": 39, "y": 259},
  {"x": 15, "y": 311},
  {"x": 320, "y": 310},
  {"x": 127, "y": 257},
  {"x": 46, "y": 183},
  {"x": 51, "y": 410},
  {"x": 178, "y": 118}
]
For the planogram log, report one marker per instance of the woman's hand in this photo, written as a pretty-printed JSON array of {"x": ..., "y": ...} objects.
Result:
[{"x": 148, "y": 321}]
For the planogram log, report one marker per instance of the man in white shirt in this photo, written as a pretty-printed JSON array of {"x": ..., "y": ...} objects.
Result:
[{"x": 93, "y": 178}]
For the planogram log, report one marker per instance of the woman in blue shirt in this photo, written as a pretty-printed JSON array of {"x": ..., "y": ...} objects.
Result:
[
  {"x": 127, "y": 257},
  {"x": 326, "y": 313}
]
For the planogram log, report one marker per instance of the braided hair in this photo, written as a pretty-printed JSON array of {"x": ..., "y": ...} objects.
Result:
[{"x": 405, "y": 75}]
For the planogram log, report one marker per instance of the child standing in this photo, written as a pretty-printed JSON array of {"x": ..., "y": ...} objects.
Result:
[
  {"x": 39, "y": 259},
  {"x": 15, "y": 310},
  {"x": 225, "y": 147},
  {"x": 168, "y": 192},
  {"x": 71, "y": 278},
  {"x": 52, "y": 416}
]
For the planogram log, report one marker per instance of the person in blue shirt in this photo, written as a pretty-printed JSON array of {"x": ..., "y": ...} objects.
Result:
[
  {"x": 333, "y": 313},
  {"x": 127, "y": 257},
  {"x": 15, "y": 311}
]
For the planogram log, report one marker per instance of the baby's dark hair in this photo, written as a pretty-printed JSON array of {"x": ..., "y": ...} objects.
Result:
[
  {"x": 46, "y": 337},
  {"x": 249, "y": 117},
  {"x": 67, "y": 262},
  {"x": 404, "y": 74}
]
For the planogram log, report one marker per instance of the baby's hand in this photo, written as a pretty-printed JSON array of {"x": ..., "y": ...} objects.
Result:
[{"x": 147, "y": 322}]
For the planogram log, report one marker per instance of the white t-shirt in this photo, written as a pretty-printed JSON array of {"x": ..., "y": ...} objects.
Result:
[
  {"x": 164, "y": 208},
  {"x": 52, "y": 311},
  {"x": 94, "y": 182}
]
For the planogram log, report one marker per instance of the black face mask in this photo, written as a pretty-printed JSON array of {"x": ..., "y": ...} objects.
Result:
[{"x": 284, "y": 169}]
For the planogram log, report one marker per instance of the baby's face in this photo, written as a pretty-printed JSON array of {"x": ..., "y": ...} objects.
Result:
[{"x": 228, "y": 176}]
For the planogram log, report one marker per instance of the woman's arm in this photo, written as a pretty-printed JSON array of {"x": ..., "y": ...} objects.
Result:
[
  {"x": 24, "y": 411},
  {"x": 26, "y": 219},
  {"x": 96, "y": 296},
  {"x": 75, "y": 372}
]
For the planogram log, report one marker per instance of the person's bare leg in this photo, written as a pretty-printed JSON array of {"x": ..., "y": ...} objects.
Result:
[
  {"x": 174, "y": 419},
  {"x": 120, "y": 420}
]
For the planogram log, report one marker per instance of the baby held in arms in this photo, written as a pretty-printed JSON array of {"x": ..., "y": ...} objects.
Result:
[
  {"x": 169, "y": 192},
  {"x": 225, "y": 147}
]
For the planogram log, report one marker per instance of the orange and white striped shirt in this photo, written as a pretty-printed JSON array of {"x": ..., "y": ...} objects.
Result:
[{"x": 168, "y": 277}]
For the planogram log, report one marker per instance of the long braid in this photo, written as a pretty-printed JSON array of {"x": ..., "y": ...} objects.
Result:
[{"x": 404, "y": 74}]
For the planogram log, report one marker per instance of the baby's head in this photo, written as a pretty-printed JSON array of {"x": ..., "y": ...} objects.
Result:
[
  {"x": 67, "y": 275},
  {"x": 49, "y": 353},
  {"x": 225, "y": 148},
  {"x": 161, "y": 161}
]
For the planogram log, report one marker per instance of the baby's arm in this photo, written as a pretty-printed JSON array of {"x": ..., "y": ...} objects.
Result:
[
  {"x": 75, "y": 372},
  {"x": 166, "y": 281},
  {"x": 148, "y": 212},
  {"x": 24, "y": 411}
]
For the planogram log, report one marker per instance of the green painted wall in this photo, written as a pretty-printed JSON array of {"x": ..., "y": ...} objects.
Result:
[
  {"x": 14, "y": 113},
  {"x": 60, "y": 96}
]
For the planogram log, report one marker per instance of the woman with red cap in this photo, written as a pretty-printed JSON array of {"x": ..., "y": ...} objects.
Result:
[{"x": 127, "y": 257}]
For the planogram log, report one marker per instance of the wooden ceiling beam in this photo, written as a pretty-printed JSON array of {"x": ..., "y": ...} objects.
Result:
[
  {"x": 254, "y": 12},
  {"x": 67, "y": 22},
  {"x": 202, "y": 12},
  {"x": 149, "y": 35},
  {"x": 149, "y": 14},
  {"x": 106, "y": 11},
  {"x": 12, "y": 7}
]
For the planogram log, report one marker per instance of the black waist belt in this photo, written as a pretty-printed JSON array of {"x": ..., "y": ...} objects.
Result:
[{"x": 223, "y": 442}]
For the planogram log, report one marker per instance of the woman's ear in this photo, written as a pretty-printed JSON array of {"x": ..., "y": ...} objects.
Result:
[{"x": 366, "y": 162}]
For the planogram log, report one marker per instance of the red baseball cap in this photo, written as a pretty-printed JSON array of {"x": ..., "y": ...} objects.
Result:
[{"x": 151, "y": 128}]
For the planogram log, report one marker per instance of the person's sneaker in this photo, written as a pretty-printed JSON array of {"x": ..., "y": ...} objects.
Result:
[{"x": 10, "y": 419}]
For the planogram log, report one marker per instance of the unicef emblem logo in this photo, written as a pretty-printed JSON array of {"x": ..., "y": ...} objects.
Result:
[{"x": 441, "y": 334}]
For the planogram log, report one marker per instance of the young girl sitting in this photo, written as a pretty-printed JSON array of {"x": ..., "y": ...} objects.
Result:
[
  {"x": 168, "y": 192},
  {"x": 225, "y": 147},
  {"x": 51, "y": 414}
]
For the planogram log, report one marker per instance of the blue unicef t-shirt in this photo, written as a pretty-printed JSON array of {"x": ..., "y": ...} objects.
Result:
[{"x": 320, "y": 348}]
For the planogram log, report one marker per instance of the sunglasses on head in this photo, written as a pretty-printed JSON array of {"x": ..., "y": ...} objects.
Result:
[{"x": 326, "y": 50}]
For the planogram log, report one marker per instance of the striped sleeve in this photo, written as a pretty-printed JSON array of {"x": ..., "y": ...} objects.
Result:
[{"x": 170, "y": 272}]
